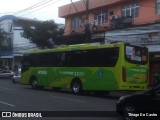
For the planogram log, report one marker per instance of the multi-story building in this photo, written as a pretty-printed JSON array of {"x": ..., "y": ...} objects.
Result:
[
  {"x": 131, "y": 21},
  {"x": 109, "y": 14},
  {"x": 13, "y": 47}
]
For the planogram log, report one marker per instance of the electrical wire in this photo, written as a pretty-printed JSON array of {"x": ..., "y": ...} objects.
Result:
[
  {"x": 85, "y": 3},
  {"x": 74, "y": 6},
  {"x": 7, "y": 13},
  {"x": 41, "y": 3},
  {"x": 77, "y": 11},
  {"x": 33, "y": 6},
  {"x": 40, "y": 8}
]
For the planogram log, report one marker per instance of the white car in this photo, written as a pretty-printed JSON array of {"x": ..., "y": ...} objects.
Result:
[
  {"x": 6, "y": 74},
  {"x": 16, "y": 77}
]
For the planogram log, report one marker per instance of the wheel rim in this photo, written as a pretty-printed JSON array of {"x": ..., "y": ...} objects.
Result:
[
  {"x": 129, "y": 109},
  {"x": 34, "y": 83},
  {"x": 76, "y": 87}
]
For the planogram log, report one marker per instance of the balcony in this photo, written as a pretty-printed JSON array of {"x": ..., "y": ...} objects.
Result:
[
  {"x": 93, "y": 4},
  {"x": 120, "y": 22}
]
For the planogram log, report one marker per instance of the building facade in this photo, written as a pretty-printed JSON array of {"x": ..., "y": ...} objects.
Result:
[
  {"x": 130, "y": 21},
  {"x": 110, "y": 14},
  {"x": 13, "y": 47}
]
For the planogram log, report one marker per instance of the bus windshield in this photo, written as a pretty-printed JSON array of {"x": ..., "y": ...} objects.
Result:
[{"x": 136, "y": 54}]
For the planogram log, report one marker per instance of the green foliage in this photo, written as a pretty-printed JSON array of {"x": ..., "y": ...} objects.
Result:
[
  {"x": 43, "y": 34},
  {"x": 61, "y": 31}
]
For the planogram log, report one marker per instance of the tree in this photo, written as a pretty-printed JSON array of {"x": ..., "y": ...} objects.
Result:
[
  {"x": 43, "y": 34},
  {"x": 61, "y": 31}
]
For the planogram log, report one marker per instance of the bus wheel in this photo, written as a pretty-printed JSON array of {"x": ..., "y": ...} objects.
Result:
[
  {"x": 76, "y": 87},
  {"x": 34, "y": 83}
]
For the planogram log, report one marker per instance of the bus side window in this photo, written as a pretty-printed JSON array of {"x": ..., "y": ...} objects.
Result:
[
  {"x": 25, "y": 63},
  {"x": 61, "y": 57},
  {"x": 26, "y": 60},
  {"x": 102, "y": 57},
  {"x": 36, "y": 60},
  {"x": 74, "y": 59},
  {"x": 32, "y": 60},
  {"x": 70, "y": 59}
]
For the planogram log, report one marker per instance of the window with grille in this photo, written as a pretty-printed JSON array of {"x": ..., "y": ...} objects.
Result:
[
  {"x": 131, "y": 10},
  {"x": 76, "y": 23},
  {"x": 101, "y": 17},
  {"x": 158, "y": 6}
]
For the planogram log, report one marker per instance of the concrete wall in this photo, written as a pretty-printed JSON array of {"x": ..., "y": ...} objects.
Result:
[{"x": 147, "y": 12}]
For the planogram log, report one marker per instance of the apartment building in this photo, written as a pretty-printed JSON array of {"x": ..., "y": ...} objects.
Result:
[
  {"x": 109, "y": 14},
  {"x": 130, "y": 21}
]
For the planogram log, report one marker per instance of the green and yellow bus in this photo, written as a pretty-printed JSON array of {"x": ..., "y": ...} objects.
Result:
[{"x": 87, "y": 67}]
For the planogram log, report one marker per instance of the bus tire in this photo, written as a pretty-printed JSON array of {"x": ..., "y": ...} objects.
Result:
[
  {"x": 76, "y": 87},
  {"x": 34, "y": 83}
]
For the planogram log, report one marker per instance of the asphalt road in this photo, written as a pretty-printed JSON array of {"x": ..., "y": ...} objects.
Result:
[{"x": 21, "y": 98}]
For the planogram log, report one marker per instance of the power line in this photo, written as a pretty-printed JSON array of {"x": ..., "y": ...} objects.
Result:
[
  {"x": 29, "y": 8},
  {"x": 33, "y": 6},
  {"x": 84, "y": 3},
  {"x": 77, "y": 11},
  {"x": 74, "y": 6},
  {"x": 7, "y": 13},
  {"x": 41, "y": 8}
]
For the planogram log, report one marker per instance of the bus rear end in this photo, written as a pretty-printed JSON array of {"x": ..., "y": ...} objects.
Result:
[{"x": 135, "y": 69}]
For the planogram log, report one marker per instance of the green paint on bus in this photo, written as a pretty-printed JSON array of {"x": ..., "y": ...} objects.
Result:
[{"x": 100, "y": 67}]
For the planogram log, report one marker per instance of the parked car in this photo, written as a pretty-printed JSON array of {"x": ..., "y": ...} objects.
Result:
[
  {"x": 6, "y": 74},
  {"x": 17, "y": 76},
  {"x": 140, "y": 105}
]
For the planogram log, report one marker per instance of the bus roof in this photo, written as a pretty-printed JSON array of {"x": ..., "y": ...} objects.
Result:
[{"x": 76, "y": 47}]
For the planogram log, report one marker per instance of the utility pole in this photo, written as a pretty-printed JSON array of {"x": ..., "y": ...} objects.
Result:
[
  {"x": 87, "y": 26},
  {"x": 87, "y": 10}
]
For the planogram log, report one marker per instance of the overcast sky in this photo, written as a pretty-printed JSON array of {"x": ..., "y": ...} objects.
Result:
[{"x": 45, "y": 10}]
